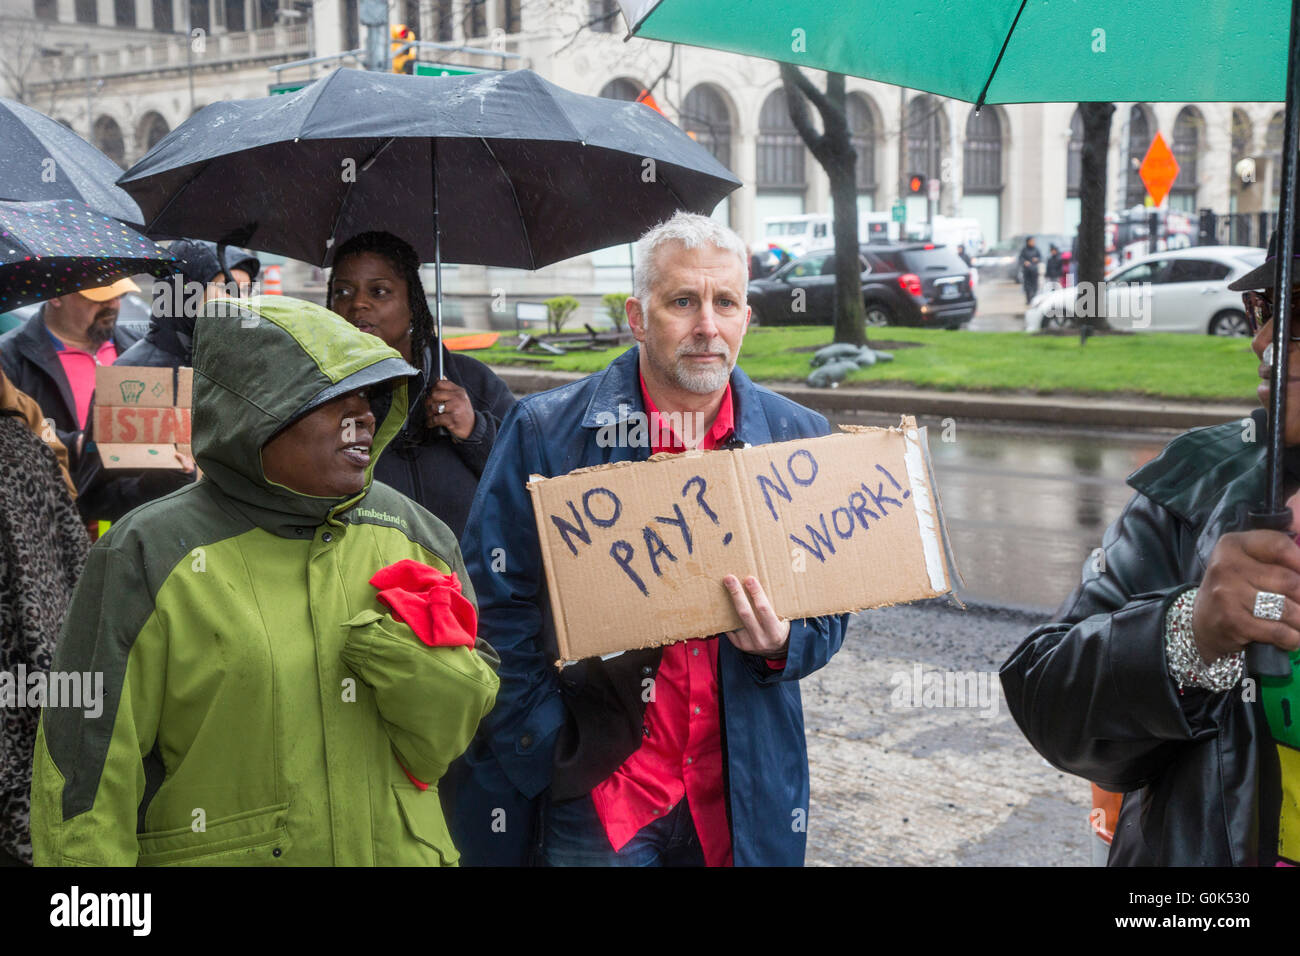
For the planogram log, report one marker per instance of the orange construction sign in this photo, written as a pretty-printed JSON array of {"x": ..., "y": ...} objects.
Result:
[{"x": 1158, "y": 170}]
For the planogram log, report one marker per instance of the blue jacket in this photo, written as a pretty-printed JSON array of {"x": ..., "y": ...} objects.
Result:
[{"x": 568, "y": 730}]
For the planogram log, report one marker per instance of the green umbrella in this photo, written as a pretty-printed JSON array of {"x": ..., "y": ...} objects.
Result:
[
  {"x": 1045, "y": 51},
  {"x": 1050, "y": 50}
]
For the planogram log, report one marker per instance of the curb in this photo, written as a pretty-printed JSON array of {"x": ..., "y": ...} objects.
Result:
[{"x": 1049, "y": 409}]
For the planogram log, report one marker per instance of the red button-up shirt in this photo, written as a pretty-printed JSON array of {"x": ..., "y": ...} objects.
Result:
[{"x": 681, "y": 751}]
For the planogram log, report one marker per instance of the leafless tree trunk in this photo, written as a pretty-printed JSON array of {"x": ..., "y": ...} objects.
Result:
[
  {"x": 833, "y": 149},
  {"x": 1090, "y": 257}
]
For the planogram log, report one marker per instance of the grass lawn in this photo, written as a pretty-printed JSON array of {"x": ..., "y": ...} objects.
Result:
[{"x": 1162, "y": 365}]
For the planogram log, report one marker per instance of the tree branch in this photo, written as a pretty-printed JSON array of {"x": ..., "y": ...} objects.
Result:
[{"x": 795, "y": 84}]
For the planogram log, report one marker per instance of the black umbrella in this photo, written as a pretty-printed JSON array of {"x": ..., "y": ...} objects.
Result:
[
  {"x": 43, "y": 160},
  {"x": 501, "y": 169},
  {"x": 49, "y": 249}
]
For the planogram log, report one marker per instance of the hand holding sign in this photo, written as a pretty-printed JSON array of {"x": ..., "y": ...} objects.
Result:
[{"x": 764, "y": 634}]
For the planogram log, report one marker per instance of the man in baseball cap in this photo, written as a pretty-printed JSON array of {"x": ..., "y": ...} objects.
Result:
[{"x": 53, "y": 357}]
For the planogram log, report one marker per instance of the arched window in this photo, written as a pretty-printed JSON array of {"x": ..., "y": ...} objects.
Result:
[
  {"x": 1074, "y": 160},
  {"x": 621, "y": 89},
  {"x": 705, "y": 116},
  {"x": 780, "y": 147},
  {"x": 1139, "y": 141},
  {"x": 152, "y": 129},
  {"x": 982, "y": 169},
  {"x": 1187, "y": 148},
  {"x": 924, "y": 138},
  {"x": 862, "y": 136},
  {"x": 108, "y": 137}
]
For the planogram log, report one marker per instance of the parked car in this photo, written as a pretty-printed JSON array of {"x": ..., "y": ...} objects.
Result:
[
  {"x": 133, "y": 314},
  {"x": 905, "y": 284},
  {"x": 1182, "y": 290},
  {"x": 1002, "y": 261}
]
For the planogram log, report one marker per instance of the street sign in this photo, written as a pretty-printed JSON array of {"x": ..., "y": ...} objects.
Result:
[
  {"x": 898, "y": 212},
  {"x": 1158, "y": 170},
  {"x": 934, "y": 188},
  {"x": 286, "y": 87},
  {"x": 442, "y": 69}
]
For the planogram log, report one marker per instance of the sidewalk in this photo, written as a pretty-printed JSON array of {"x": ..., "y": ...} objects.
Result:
[{"x": 1124, "y": 413}]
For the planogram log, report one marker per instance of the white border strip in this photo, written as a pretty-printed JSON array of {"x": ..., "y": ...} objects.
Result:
[{"x": 925, "y": 514}]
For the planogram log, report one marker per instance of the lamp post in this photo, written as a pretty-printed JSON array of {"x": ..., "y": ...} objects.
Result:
[{"x": 295, "y": 14}]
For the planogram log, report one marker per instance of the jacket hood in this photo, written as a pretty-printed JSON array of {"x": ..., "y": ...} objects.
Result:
[
  {"x": 262, "y": 363},
  {"x": 171, "y": 326}
]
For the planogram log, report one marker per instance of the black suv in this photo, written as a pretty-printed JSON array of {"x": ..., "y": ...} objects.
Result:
[{"x": 902, "y": 284}]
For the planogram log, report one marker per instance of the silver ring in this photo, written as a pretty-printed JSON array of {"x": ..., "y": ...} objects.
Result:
[
  {"x": 441, "y": 407},
  {"x": 1268, "y": 606}
]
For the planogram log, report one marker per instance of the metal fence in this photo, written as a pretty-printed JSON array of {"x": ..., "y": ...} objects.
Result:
[{"x": 1236, "y": 228}]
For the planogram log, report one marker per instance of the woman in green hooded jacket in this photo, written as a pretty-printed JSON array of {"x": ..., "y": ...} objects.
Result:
[{"x": 258, "y": 703}]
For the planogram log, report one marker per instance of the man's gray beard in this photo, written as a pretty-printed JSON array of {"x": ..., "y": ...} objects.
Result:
[{"x": 701, "y": 381}]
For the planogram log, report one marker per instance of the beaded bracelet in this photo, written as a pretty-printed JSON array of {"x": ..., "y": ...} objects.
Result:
[{"x": 1185, "y": 663}]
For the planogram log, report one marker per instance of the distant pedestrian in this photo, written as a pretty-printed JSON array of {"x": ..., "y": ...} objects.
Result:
[
  {"x": 1030, "y": 257},
  {"x": 1055, "y": 268},
  {"x": 170, "y": 339}
]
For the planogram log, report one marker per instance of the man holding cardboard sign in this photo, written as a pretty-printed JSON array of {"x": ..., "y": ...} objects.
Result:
[{"x": 693, "y": 753}]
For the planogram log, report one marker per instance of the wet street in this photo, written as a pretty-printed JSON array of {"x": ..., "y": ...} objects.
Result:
[
  {"x": 894, "y": 783},
  {"x": 1026, "y": 506}
]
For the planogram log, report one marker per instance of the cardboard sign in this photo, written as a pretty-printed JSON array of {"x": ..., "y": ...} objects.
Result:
[
  {"x": 635, "y": 552},
  {"x": 141, "y": 418}
]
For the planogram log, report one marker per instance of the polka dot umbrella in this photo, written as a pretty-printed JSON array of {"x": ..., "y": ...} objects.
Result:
[{"x": 49, "y": 249}]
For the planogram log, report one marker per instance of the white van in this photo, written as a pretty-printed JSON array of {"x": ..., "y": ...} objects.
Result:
[
  {"x": 804, "y": 233},
  {"x": 799, "y": 234}
]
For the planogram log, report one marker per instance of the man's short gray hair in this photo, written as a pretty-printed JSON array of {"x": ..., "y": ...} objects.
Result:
[{"x": 692, "y": 231}]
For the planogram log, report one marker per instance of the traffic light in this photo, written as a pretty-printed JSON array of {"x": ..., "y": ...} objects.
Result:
[
  {"x": 916, "y": 185},
  {"x": 403, "y": 55}
]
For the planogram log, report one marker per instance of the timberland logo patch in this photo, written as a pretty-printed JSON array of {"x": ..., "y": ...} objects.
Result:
[
  {"x": 75, "y": 908},
  {"x": 383, "y": 517}
]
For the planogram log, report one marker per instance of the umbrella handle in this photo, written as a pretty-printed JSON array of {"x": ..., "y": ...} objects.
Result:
[{"x": 1268, "y": 660}]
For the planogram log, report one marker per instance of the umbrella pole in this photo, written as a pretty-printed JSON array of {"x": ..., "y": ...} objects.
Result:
[
  {"x": 437, "y": 257},
  {"x": 1267, "y": 660}
]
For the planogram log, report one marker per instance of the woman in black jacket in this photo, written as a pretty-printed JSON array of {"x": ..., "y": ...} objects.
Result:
[{"x": 439, "y": 456}]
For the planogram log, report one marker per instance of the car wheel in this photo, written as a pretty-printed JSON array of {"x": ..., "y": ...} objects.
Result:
[
  {"x": 1230, "y": 322},
  {"x": 754, "y": 316},
  {"x": 877, "y": 315}
]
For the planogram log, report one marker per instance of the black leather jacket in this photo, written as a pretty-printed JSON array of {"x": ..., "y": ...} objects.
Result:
[{"x": 1091, "y": 691}]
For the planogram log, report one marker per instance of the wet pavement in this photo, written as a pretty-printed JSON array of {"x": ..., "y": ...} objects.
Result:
[
  {"x": 896, "y": 780},
  {"x": 896, "y": 784},
  {"x": 1025, "y": 507}
]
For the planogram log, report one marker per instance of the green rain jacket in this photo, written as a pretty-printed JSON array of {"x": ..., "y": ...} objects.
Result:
[{"x": 259, "y": 704}]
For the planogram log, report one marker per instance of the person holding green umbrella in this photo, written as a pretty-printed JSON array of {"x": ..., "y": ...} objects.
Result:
[{"x": 1139, "y": 684}]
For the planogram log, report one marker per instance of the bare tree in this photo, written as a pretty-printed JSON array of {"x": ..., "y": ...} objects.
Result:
[
  {"x": 833, "y": 149},
  {"x": 1090, "y": 257}
]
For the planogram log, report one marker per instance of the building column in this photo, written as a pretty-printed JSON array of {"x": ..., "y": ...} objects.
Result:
[
  {"x": 744, "y": 145},
  {"x": 1214, "y": 162},
  {"x": 67, "y": 11},
  {"x": 105, "y": 15},
  {"x": 327, "y": 25},
  {"x": 144, "y": 14}
]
